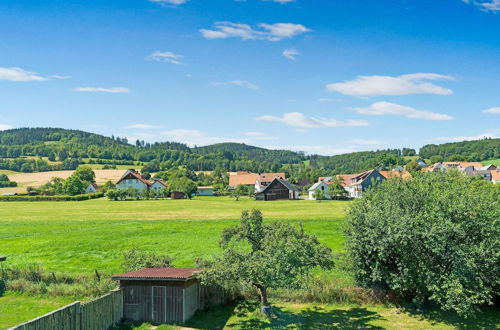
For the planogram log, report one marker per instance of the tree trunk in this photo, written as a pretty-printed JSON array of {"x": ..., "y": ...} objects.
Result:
[{"x": 263, "y": 296}]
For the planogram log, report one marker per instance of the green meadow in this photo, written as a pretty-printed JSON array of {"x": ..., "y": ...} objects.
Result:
[
  {"x": 78, "y": 238},
  {"x": 81, "y": 237}
]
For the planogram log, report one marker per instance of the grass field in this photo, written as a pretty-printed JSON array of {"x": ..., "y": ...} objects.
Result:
[
  {"x": 15, "y": 309},
  {"x": 81, "y": 237}
]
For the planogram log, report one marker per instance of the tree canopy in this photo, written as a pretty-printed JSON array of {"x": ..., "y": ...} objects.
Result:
[
  {"x": 435, "y": 237},
  {"x": 266, "y": 256}
]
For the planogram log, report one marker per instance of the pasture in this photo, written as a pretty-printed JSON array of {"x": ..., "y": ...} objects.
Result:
[{"x": 81, "y": 237}]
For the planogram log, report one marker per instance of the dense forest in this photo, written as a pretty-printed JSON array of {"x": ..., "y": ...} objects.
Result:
[{"x": 45, "y": 149}]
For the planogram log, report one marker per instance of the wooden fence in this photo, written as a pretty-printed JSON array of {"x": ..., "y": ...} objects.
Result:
[{"x": 98, "y": 314}]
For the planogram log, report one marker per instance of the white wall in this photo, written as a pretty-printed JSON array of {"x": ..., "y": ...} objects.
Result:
[{"x": 132, "y": 183}]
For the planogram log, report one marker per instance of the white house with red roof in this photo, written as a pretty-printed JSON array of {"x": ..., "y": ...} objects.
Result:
[{"x": 133, "y": 179}]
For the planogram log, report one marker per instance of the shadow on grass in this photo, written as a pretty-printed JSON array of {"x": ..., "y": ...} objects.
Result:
[
  {"x": 246, "y": 315},
  {"x": 487, "y": 319}
]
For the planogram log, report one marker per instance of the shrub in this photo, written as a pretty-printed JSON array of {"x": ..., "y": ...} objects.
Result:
[
  {"x": 135, "y": 259},
  {"x": 57, "y": 198},
  {"x": 435, "y": 238}
]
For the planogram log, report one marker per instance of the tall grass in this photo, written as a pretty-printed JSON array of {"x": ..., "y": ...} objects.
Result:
[{"x": 34, "y": 280}]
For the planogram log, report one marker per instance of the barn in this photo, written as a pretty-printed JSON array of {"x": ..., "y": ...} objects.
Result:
[
  {"x": 278, "y": 189},
  {"x": 177, "y": 195},
  {"x": 159, "y": 295}
]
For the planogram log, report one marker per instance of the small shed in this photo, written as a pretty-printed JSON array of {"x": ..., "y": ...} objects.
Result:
[
  {"x": 278, "y": 189},
  {"x": 177, "y": 195},
  {"x": 205, "y": 191},
  {"x": 160, "y": 295}
]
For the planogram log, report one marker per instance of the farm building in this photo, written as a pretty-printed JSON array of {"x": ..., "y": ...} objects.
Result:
[
  {"x": 158, "y": 184},
  {"x": 132, "y": 179},
  {"x": 205, "y": 191},
  {"x": 258, "y": 181},
  {"x": 278, "y": 189},
  {"x": 265, "y": 179},
  {"x": 177, "y": 195},
  {"x": 166, "y": 295},
  {"x": 92, "y": 188}
]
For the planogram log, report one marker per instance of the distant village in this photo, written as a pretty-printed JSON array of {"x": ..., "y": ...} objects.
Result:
[{"x": 275, "y": 186}]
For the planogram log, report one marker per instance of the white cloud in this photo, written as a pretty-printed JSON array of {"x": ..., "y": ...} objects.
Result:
[
  {"x": 259, "y": 136},
  {"x": 489, "y": 5},
  {"x": 297, "y": 119},
  {"x": 495, "y": 111},
  {"x": 416, "y": 83},
  {"x": 386, "y": 108},
  {"x": 170, "y": 2},
  {"x": 18, "y": 74},
  {"x": 467, "y": 138},
  {"x": 239, "y": 83},
  {"x": 290, "y": 54},
  {"x": 325, "y": 99},
  {"x": 195, "y": 137},
  {"x": 102, "y": 90},
  {"x": 168, "y": 57},
  {"x": 141, "y": 126},
  {"x": 271, "y": 32},
  {"x": 4, "y": 127}
]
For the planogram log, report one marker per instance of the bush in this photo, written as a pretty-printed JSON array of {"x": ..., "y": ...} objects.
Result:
[
  {"x": 7, "y": 184},
  {"x": 57, "y": 198},
  {"x": 434, "y": 238},
  {"x": 135, "y": 260}
]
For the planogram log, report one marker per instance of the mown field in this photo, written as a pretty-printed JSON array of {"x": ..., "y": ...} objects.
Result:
[{"x": 82, "y": 237}]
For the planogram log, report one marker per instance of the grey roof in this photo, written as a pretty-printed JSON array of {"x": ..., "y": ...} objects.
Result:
[
  {"x": 287, "y": 184},
  {"x": 485, "y": 168}
]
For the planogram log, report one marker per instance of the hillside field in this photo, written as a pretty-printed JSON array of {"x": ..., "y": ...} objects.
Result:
[
  {"x": 81, "y": 237},
  {"x": 37, "y": 179}
]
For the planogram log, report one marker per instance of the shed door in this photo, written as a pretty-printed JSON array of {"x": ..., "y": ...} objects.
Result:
[{"x": 159, "y": 297}]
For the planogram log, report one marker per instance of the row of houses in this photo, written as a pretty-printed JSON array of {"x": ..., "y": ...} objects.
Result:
[
  {"x": 133, "y": 179},
  {"x": 489, "y": 172},
  {"x": 355, "y": 184}
]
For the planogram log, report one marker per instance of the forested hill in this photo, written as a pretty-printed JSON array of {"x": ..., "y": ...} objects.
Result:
[
  {"x": 43, "y": 149},
  {"x": 467, "y": 150}
]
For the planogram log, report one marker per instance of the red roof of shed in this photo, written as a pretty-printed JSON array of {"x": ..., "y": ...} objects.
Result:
[{"x": 159, "y": 273}]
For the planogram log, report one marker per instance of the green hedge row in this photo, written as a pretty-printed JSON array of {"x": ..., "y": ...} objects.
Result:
[
  {"x": 4, "y": 184},
  {"x": 58, "y": 198}
]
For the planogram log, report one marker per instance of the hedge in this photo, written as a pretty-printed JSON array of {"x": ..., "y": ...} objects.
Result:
[
  {"x": 4, "y": 184},
  {"x": 58, "y": 198}
]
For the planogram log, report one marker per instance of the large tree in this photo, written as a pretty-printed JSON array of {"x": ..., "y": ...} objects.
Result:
[
  {"x": 85, "y": 173},
  {"x": 184, "y": 185},
  {"x": 435, "y": 237},
  {"x": 266, "y": 256}
]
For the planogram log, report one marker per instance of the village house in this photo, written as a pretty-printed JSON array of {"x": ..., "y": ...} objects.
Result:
[
  {"x": 132, "y": 179},
  {"x": 158, "y": 184},
  {"x": 396, "y": 173},
  {"x": 276, "y": 190},
  {"x": 495, "y": 176},
  {"x": 92, "y": 188},
  {"x": 265, "y": 179},
  {"x": 319, "y": 186}
]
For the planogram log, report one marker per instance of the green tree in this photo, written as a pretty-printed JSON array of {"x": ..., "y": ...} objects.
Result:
[
  {"x": 85, "y": 173},
  {"x": 108, "y": 186},
  {"x": 336, "y": 188},
  {"x": 436, "y": 159},
  {"x": 319, "y": 195},
  {"x": 434, "y": 237},
  {"x": 266, "y": 256},
  {"x": 413, "y": 167},
  {"x": 184, "y": 185},
  {"x": 4, "y": 177},
  {"x": 241, "y": 190},
  {"x": 74, "y": 185}
]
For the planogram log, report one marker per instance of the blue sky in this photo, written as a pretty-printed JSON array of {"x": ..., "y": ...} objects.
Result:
[{"x": 318, "y": 76}]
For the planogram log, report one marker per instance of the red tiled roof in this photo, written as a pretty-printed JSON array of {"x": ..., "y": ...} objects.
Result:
[
  {"x": 136, "y": 175},
  {"x": 246, "y": 179},
  {"x": 495, "y": 175},
  {"x": 159, "y": 273}
]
